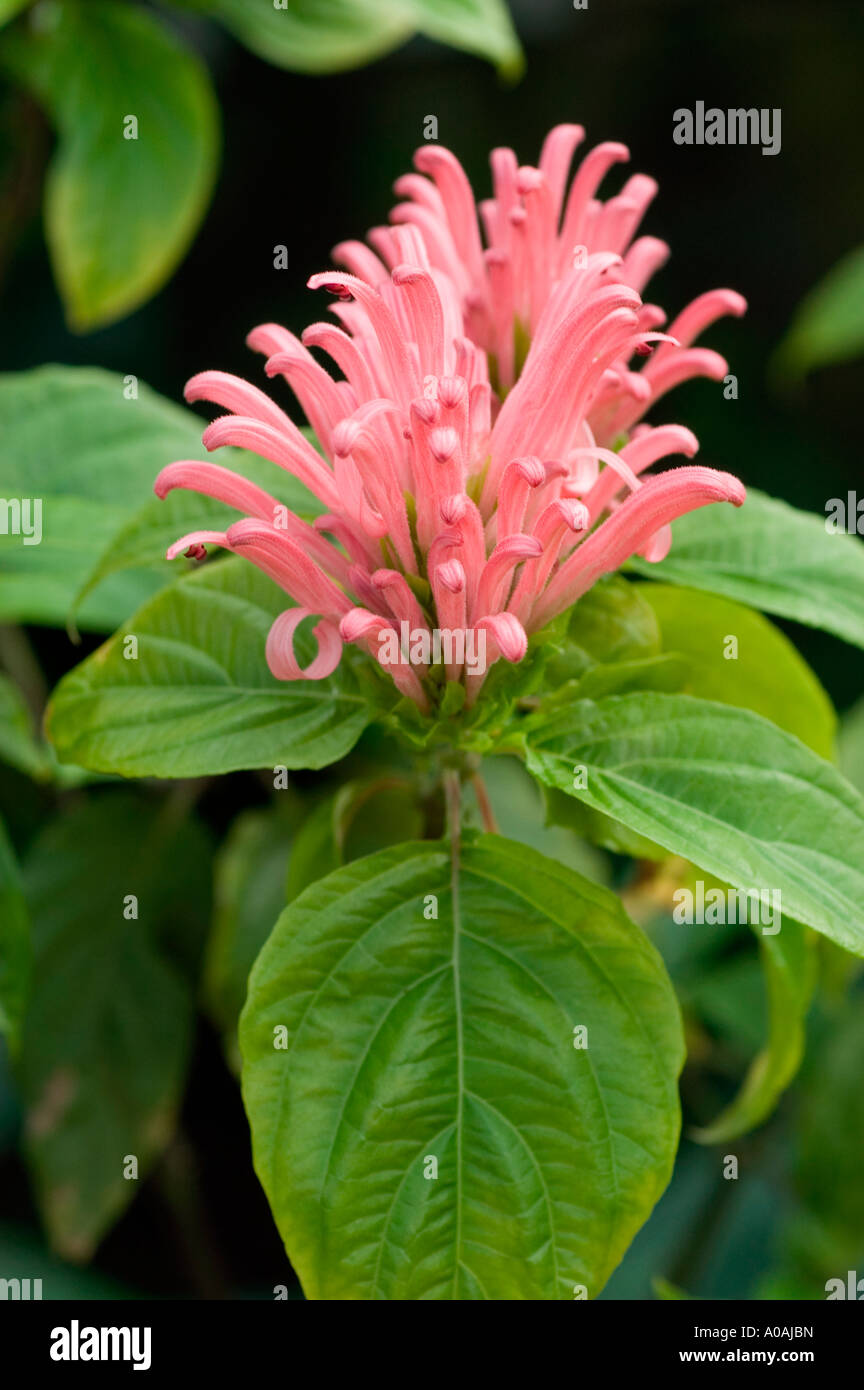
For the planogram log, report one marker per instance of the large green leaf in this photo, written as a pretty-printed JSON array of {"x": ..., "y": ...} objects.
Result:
[
  {"x": 721, "y": 787},
  {"x": 766, "y": 673},
  {"x": 829, "y": 323},
  {"x": 120, "y": 212},
  {"x": 768, "y": 555},
  {"x": 788, "y": 961},
  {"x": 14, "y": 942},
  {"x": 331, "y": 35},
  {"x": 430, "y": 1130},
  {"x": 107, "y": 1027},
  {"x": 199, "y": 698}
]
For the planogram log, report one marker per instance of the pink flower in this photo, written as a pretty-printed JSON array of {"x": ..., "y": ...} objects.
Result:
[{"x": 483, "y": 445}]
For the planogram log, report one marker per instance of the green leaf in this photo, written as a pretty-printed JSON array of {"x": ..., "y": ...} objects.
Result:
[
  {"x": 612, "y": 623},
  {"x": 768, "y": 555},
  {"x": 314, "y": 853},
  {"x": 14, "y": 943},
  {"x": 829, "y": 323},
  {"x": 143, "y": 541},
  {"x": 788, "y": 960},
  {"x": 479, "y": 26},
  {"x": 613, "y": 643},
  {"x": 120, "y": 212},
  {"x": 107, "y": 1029},
  {"x": 199, "y": 697},
  {"x": 364, "y": 816},
  {"x": 723, "y": 788},
  {"x": 332, "y": 35},
  {"x": 766, "y": 674},
  {"x": 76, "y": 444},
  {"x": 410, "y": 1038}
]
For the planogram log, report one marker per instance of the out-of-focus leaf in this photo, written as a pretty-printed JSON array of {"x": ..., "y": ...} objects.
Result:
[
  {"x": 249, "y": 892},
  {"x": 18, "y": 744},
  {"x": 198, "y": 697},
  {"x": 667, "y": 1292},
  {"x": 15, "y": 950},
  {"x": 770, "y": 556},
  {"x": 850, "y": 746},
  {"x": 789, "y": 962},
  {"x": 271, "y": 856},
  {"x": 610, "y": 624},
  {"x": 829, "y": 323},
  {"x": 122, "y": 201},
  {"x": 362, "y": 817},
  {"x": 106, "y": 1032},
  {"x": 9, "y": 9},
  {"x": 766, "y": 675},
  {"x": 23, "y": 1255},
  {"x": 143, "y": 541},
  {"x": 431, "y": 1127},
  {"x": 88, "y": 454},
  {"x": 829, "y": 1239},
  {"x": 479, "y": 26},
  {"x": 332, "y": 35},
  {"x": 87, "y": 446},
  {"x": 517, "y": 802}
]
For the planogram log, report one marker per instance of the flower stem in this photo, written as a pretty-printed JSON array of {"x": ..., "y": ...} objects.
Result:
[
  {"x": 490, "y": 825},
  {"x": 453, "y": 796}
]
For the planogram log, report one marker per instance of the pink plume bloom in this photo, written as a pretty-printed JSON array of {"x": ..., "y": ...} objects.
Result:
[{"x": 482, "y": 430}]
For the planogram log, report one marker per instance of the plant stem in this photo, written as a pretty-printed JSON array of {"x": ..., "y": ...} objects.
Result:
[
  {"x": 490, "y": 825},
  {"x": 453, "y": 797}
]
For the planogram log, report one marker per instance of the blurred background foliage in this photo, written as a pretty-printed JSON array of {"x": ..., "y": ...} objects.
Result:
[{"x": 159, "y": 271}]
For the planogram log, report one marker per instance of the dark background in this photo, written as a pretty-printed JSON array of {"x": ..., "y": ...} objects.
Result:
[{"x": 310, "y": 161}]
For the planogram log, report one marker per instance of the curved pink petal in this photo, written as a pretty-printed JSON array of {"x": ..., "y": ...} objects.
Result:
[{"x": 279, "y": 649}]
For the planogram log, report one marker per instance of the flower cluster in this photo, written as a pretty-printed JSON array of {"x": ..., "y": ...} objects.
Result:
[{"x": 483, "y": 445}]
